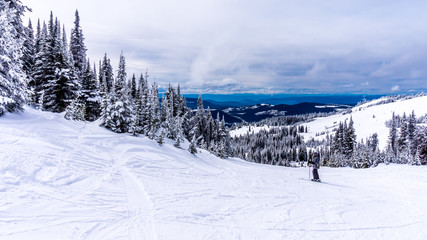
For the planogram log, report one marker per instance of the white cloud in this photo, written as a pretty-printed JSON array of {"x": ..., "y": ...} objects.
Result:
[
  {"x": 200, "y": 43},
  {"x": 348, "y": 85},
  {"x": 395, "y": 88}
]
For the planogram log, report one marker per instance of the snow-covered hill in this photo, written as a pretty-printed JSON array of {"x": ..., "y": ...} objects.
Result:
[
  {"x": 70, "y": 180},
  {"x": 368, "y": 118}
]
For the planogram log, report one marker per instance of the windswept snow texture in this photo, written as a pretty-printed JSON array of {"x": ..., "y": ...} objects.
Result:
[{"x": 69, "y": 180}]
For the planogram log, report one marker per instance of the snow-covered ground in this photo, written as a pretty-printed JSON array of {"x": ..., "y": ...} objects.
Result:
[
  {"x": 69, "y": 180},
  {"x": 251, "y": 129}
]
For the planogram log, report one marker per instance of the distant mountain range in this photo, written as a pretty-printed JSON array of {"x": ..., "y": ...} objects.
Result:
[
  {"x": 233, "y": 113},
  {"x": 241, "y": 100}
]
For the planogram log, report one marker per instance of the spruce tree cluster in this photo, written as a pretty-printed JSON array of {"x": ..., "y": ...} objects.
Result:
[
  {"x": 406, "y": 140},
  {"x": 56, "y": 84},
  {"x": 134, "y": 107},
  {"x": 42, "y": 69},
  {"x": 277, "y": 146},
  {"x": 343, "y": 145},
  {"x": 208, "y": 133}
]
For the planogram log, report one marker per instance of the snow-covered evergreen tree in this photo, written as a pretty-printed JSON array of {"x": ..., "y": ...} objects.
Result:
[
  {"x": 392, "y": 138},
  {"x": 179, "y": 131},
  {"x": 118, "y": 108},
  {"x": 29, "y": 59},
  {"x": 167, "y": 118},
  {"x": 422, "y": 149},
  {"x": 338, "y": 148},
  {"x": 338, "y": 139},
  {"x": 90, "y": 95},
  {"x": 402, "y": 139},
  {"x": 350, "y": 139},
  {"x": 140, "y": 102},
  {"x": 208, "y": 135},
  {"x": 411, "y": 135},
  {"x": 153, "y": 111},
  {"x": 200, "y": 123},
  {"x": 223, "y": 142},
  {"x": 13, "y": 80},
  {"x": 28, "y": 52},
  {"x": 133, "y": 87},
  {"x": 37, "y": 37},
  {"x": 77, "y": 46},
  {"x": 42, "y": 71},
  {"x": 161, "y": 138},
  {"x": 120, "y": 86},
  {"x": 175, "y": 116},
  {"x": 144, "y": 99},
  {"x": 119, "y": 118},
  {"x": 106, "y": 75},
  {"x": 60, "y": 85},
  {"x": 192, "y": 148},
  {"x": 373, "y": 142},
  {"x": 76, "y": 110},
  {"x": 187, "y": 123},
  {"x": 362, "y": 156}
]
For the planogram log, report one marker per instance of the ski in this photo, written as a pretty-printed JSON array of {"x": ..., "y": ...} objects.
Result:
[
  {"x": 327, "y": 183},
  {"x": 311, "y": 180}
]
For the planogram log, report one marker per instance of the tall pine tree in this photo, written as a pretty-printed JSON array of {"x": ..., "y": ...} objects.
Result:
[
  {"x": 42, "y": 70},
  {"x": 350, "y": 139},
  {"x": 77, "y": 46},
  {"x": 90, "y": 94},
  {"x": 28, "y": 52},
  {"x": 422, "y": 149},
  {"x": 13, "y": 79},
  {"x": 106, "y": 75},
  {"x": 411, "y": 134},
  {"x": 402, "y": 139},
  {"x": 392, "y": 137}
]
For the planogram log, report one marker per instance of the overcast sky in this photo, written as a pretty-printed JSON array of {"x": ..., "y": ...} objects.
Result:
[{"x": 254, "y": 46}]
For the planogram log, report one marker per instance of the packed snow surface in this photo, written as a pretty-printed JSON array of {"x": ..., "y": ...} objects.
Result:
[{"x": 70, "y": 180}]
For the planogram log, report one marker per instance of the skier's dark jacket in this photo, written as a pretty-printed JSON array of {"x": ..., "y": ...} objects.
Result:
[{"x": 316, "y": 161}]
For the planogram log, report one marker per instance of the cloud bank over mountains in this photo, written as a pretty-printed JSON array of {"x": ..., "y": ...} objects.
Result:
[{"x": 219, "y": 46}]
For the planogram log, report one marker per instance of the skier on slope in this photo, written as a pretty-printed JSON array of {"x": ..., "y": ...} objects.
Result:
[{"x": 316, "y": 164}]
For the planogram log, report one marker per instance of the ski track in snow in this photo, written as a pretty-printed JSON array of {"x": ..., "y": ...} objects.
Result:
[{"x": 68, "y": 180}]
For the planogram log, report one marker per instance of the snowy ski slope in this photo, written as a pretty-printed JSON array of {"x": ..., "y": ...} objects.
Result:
[{"x": 69, "y": 180}]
